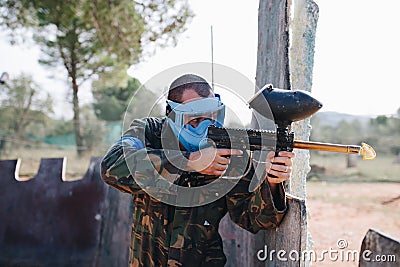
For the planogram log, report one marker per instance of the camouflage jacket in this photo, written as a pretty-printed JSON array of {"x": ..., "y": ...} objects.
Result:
[{"x": 168, "y": 235}]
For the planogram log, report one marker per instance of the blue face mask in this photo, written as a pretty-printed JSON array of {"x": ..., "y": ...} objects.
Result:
[{"x": 195, "y": 138}]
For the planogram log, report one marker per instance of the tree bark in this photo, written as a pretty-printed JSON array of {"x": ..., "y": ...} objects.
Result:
[
  {"x": 80, "y": 147},
  {"x": 22, "y": 120},
  {"x": 273, "y": 44},
  {"x": 303, "y": 26},
  {"x": 72, "y": 71},
  {"x": 287, "y": 61},
  {"x": 284, "y": 66}
]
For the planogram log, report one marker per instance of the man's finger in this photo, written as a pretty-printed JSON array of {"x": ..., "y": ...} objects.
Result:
[
  {"x": 270, "y": 156},
  {"x": 229, "y": 152},
  {"x": 222, "y": 160},
  {"x": 281, "y": 168},
  {"x": 275, "y": 180},
  {"x": 283, "y": 160},
  {"x": 283, "y": 176},
  {"x": 220, "y": 167},
  {"x": 286, "y": 154}
]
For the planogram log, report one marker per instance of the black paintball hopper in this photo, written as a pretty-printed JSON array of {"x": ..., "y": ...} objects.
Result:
[{"x": 286, "y": 106}]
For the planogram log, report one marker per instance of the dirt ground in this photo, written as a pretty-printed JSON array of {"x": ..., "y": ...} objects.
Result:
[{"x": 343, "y": 213}]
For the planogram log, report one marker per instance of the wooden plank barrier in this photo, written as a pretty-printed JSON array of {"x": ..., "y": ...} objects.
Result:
[
  {"x": 243, "y": 249},
  {"x": 45, "y": 221},
  {"x": 379, "y": 250}
]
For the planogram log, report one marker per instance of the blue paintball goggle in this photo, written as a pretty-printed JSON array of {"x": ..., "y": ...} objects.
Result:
[{"x": 211, "y": 109}]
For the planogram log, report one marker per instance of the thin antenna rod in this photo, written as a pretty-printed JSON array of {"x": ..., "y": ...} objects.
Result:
[{"x": 212, "y": 58}]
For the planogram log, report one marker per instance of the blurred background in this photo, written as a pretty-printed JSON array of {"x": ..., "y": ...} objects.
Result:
[
  {"x": 70, "y": 68},
  {"x": 68, "y": 78}
]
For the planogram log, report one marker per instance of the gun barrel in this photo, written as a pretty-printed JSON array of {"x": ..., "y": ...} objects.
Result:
[
  {"x": 249, "y": 139},
  {"x": 365, "y": 150}
]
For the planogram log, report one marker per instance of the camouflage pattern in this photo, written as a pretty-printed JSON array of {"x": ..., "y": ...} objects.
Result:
[{"x": 166, "y": 235}]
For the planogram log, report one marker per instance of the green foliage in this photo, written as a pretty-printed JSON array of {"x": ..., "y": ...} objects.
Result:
[
  {"x": 380, "y": 120},
  {"x": 144, "y": 103},
  {"x": 91, "y": 37},
  {"x": 57, "y": 127},
  {"x": 23, "y": 105},
  {"x": 382, "y": 132},
  {"x": 134, "y": 100},
  {"x": 111, "y": 102},
  {"x": 93, "y": 131},
  {"x": 386, "y": 130}
]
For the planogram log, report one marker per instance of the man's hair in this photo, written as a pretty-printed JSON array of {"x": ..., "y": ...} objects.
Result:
[{"x": 188, "y": 81}]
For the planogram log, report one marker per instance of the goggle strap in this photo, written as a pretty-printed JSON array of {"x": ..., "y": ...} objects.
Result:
[{"x": 168, "y": 109}]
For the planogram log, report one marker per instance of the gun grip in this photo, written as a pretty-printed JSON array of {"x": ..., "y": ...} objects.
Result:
[
  {"x": 284, "y": 140},
  {"x": 277, "y": 155}
]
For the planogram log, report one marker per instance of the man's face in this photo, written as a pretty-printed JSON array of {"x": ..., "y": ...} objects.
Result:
[{"x": 190, "y": 95}]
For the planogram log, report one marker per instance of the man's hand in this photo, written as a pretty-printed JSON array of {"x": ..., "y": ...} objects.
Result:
[
  {"x": 211, "y": 161},
  {"x": 279, "y": 169}
]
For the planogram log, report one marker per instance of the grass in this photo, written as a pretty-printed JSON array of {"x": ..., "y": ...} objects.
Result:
[{"x": 381, "y": 169}]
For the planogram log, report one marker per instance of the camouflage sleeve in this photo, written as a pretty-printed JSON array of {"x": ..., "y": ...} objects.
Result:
[
  {"x": 131, "y": 164},
  {"x": 255, "y": 210}
]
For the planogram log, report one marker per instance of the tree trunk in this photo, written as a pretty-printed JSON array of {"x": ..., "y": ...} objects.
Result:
[
  {"x": 303, "y": 26},
  {"x": 241, "y": 247},
  {"x": 288, "y": 65},
  {"x": 22, "y": 120},
  {"x": 273, "y": 44},
  {"x": 80, "y": 148}
]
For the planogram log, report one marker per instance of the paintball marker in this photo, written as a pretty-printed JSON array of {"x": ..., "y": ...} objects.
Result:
[{"x": 286, "y": 106}]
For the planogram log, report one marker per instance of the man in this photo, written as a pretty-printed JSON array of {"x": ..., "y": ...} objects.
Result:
[{"x": 165, "y": 233}]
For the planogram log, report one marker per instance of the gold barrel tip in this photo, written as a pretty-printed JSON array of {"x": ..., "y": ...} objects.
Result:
[{"x": 367, "y": 152}]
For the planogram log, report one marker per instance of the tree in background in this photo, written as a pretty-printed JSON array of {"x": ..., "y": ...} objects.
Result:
[
  {"x": 91, "y": 37},
  {"x": 94, "y": 130},
  {"x": 381, "y": 132},
  {"x": 22, "y": 105},
  {"x": 385, "y": 131},
  {"x": 111, "y": 102}
]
